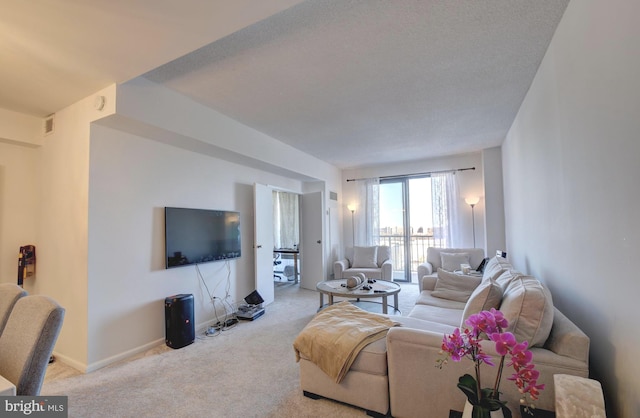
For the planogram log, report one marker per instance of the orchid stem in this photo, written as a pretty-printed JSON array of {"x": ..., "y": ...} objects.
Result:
[{"x": 498, "y": 376}]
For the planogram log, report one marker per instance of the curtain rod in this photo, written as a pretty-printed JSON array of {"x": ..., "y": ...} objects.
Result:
[{"x": 417, "y": 174}]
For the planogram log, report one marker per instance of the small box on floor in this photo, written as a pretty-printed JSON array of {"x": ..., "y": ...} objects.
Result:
[{"x": 253, "y": 309}]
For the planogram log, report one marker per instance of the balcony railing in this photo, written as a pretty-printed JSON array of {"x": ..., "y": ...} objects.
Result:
[{"x": 418, "y": 245}]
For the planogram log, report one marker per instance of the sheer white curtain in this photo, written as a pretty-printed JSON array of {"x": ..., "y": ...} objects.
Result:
[
  {"x": 286, "y": 224},
  {"x": 368, "y": 213},
  {"x": 444, "y": 198}
]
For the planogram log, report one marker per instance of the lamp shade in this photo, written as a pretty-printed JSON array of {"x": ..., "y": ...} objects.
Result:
[
  {"x": 351, "y": 207},
  {"x": 472, "y": 200}
]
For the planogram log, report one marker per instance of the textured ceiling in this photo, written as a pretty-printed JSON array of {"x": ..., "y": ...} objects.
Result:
[
  {"x": 358, "y": 83},
  {"x": 352, "y": 82},
  {"x": 56, "y": 52}
]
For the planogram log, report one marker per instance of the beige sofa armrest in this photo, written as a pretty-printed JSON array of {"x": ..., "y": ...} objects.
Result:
[
  {"x": 425, "y": 269},
  {"x": 417, "y": 385},
  {"x": 339, "y": 267},
  {"x": 426, "y": 283},
  {"x": 566, "y": 339}
]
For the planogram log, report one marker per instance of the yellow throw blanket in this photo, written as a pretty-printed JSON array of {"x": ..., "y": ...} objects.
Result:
[{"x": 335, "y": 336}]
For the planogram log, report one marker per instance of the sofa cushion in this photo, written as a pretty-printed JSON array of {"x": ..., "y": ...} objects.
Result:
[
  {"x": 504, "y": 277},
  {"x": 486, "y": 296},
  {"x": 495, "y": 267},
  {"x": 452, "y": 261},
  {"x": 440, "y": 315},
  {"x": 426, "y": 298},
  {"x": 372, "y": 358},
  {"x": 528, "y": 307},
  {"x": 424, "y": 325},
  {"x": 454, "y": 286},
  {"x": 365, "y": 257}
]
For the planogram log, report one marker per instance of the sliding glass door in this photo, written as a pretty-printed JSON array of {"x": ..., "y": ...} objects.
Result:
[{"x": 406, "y": 223}]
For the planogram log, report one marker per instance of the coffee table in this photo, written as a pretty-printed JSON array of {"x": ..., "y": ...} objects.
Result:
[{"x": 379, "y": 289}]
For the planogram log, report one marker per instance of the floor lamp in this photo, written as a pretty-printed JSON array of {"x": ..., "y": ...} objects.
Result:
[
  {"x": 473, "y": 201},
  {"x": 352, "y": 208}
]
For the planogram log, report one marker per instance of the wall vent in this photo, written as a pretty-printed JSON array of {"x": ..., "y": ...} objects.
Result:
[
  {"x": 49, "y": 124},
  {"x": 333, "y": 196}
]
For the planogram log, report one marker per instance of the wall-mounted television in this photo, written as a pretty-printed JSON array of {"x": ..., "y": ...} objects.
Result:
[{"x": 194, "y": 236}]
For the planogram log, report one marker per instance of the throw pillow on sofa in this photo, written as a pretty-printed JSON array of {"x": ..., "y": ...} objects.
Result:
[
  {"x": 454, "y": 286},
  {"x": 452, "y": 261},
  {"x": 486, "y": 296},
  {"x": 494, "y": 267},
  {"x": 528, "y": 307},
  {"x": 365, "y": 257}
]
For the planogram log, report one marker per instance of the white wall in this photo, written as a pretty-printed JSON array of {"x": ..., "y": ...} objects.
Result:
[
  {"x": 92, "y": 204},
  {"x": 571, "y": 175},
  {"x": 132, "y": 179},
  {"x": 192, "y": 157},
  {"x": 495, "y": 238},
  {"x": 18, "y": 128},
  {"x": 20, "y": 139},
  {"x": 19, "y": 189}
]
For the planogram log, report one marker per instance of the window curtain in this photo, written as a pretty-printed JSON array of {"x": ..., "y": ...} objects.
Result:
[
  {"x": 444, "y": 198},
  {"x": 368, "y": 214},
  {"x": 286, "y": 224}
]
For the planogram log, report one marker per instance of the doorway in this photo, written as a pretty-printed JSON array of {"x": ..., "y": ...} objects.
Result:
[
  {"x": 311, "y": 267},
  {"x": 406, "y": 223},
  {"x": 286, "y": 236}
]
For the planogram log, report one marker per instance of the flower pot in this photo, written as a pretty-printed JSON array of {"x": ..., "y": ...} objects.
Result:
[{"x": 468, "y": 412}]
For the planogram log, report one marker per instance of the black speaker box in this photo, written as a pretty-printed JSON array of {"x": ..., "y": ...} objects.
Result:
[{"x": 178, "y": 315}]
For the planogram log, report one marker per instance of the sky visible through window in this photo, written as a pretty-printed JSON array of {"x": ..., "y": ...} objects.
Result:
[{"x": 391, "y": 206}]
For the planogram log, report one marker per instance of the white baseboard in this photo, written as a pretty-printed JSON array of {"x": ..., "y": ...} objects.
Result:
[
  {"x": 110, "y": 360},
  {"x": 124, "y": 355}
]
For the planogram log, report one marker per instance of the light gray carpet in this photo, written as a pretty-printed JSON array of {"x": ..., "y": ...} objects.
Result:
[{"x": 247, "y": 371}]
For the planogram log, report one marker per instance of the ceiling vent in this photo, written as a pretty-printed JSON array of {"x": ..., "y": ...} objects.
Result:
[{"x": 49, "y": 124}]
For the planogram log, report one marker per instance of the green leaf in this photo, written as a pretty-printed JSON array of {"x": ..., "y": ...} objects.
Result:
[
  {"x": 469, "y": 387},
  {"x": 506, "y": 411}
]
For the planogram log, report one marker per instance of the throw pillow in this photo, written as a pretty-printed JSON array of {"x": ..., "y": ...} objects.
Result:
[
  {"x": 452, "y": 261},
  {"x": 365, "y": 257},
  {"x": 486, "y": 296},
  {"x": 494, "y": 267},
  {"x": 528, "y": 307},
  {"x": 454, "y": 286}
]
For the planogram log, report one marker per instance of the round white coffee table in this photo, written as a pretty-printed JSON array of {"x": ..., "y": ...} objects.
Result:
[{"x": 379, "y": 289}]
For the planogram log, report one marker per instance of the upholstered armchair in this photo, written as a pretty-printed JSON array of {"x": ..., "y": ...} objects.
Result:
[
  {"x": 447, "y": 259},
  {"x": 374, "y": 262},
  {"x": 9, "y": 295},
  {"x": 27, "y": 342}
]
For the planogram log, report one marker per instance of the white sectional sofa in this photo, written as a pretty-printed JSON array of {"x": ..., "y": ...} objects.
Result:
[{"x": 398, "y": 376}]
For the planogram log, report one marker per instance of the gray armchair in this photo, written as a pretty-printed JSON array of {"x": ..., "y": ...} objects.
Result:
[
  {"x": 9, "y": 295},
  {"x": 27, "y": 342}
]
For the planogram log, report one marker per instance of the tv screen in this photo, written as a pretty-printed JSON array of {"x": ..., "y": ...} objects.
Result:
[{"x": 194, "y": 236}]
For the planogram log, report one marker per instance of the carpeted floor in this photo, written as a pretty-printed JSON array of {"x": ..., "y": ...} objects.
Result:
[{"x": 246, "y": 371}]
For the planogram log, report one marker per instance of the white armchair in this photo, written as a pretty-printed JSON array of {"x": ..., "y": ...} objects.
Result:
[
  {"x": 428, "y": 270},
  {"x": 375, "y": 262}
]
